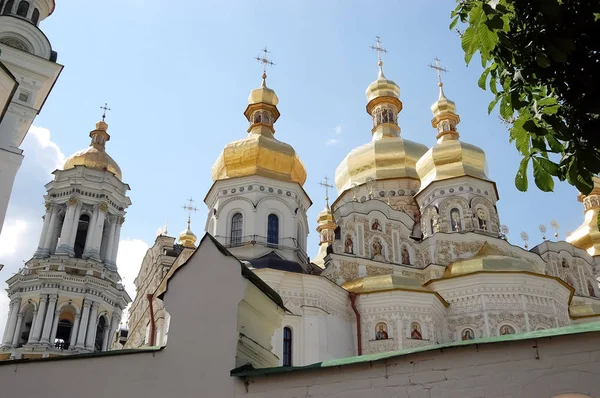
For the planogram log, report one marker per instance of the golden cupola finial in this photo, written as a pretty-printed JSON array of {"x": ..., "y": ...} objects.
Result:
[
  {"x": 187, "y": 237},
  {"x": 587, "y": 236},
  {"x": 325, "y": 227},
  {"x": 95, "y": 156},
  {"x": 260, "y": 153},
  {"x": 387, "y": 156},
  {"x": 449, "y": 157}
]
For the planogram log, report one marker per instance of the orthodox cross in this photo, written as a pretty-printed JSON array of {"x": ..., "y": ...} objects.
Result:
[
  {"x": 190, "y": 208},
  {"x": 327, "y": 185},
  {"x": 104, "y": 109},
  {"x": 378, "y": 48},
  {"x": 439, "y": 69},
  {"x": 264, "y": 60}
]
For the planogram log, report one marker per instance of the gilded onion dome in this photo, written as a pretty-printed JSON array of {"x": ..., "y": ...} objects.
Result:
[
  {"x": 489, "y": 259},
  {"x": 387, "y": 156},
  {"x": 95, "y": 156},
  {"x": 260, "y": 153},
  {"x": 449, "y": 157},
  {"x": 587, "y": 236},
  {"x": 187, "y": 237}
]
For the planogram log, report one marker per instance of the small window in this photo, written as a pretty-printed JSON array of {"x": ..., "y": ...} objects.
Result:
[
  {"x": 23, "y": 97},
  {"x": 273, "y": 229},
  {"x": 8, "y": 7},
  {"x": 23, "y": 9},
  {"x": 237, "y": 226},
  {"x": 338, "y": 233},
  {"x": 35, "y": 17},
  {"x": 287, "y": 346}
]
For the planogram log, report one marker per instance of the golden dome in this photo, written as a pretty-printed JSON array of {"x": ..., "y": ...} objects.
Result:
[
  {"x": 489, "y": 259},
  {"x": 260, "y": 153},
  {"x": 95, "y": 156},
  {"x": 387, "y": 156},
  {"x": 187, "y": 237},
  {"x": 386, "y": 283},
  {"x": 587, "y": 236},
  {"x": 449, "y": 157},
  {"x": 584, "y": 310}
]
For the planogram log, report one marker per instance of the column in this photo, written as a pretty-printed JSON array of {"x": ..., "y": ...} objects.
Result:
[
  {"x": 49, "y": 320},
  {"x": 29, "y": 340},
  {"x": 98, "y": 231},
  {"x": 90, "y": 234},
  {"x": 17, "y": 333},
  {"x": 75, "y": 225},
  {"x": 115, "y": 249},
  {"x": 9, "y": 331},
  {"x": 67, "y": 228},
  {"x": 54, "y": 327},
  {"x": 105, "y": 338},
  {"x": 39, "y": 320},
  {"x": 50, "y": 231},
  {"x": 56, "y": 232},
  {"x": 111, "y": 241},
  {"x": 92, "y": 325},
  {"x": 40, "y": 250},
  {"x": 85, "y": 314},
  {"x": 73, "y": 336}
]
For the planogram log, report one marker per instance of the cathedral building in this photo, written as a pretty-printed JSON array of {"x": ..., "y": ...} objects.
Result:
[
  {"x": 414, "y": 291},
  {"x": 28, "y": 71},
  {"x": 411, "y": 253},
  {"x": 69, "y": 297}
]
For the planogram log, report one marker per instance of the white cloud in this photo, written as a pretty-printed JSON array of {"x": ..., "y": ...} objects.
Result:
[
  {"x": 338, "y": 129},
  {"x": 23, "y": 223},
  {"x": 331, "y": 142}
]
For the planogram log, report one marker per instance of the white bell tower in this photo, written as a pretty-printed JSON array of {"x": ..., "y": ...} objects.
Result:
[{"x": 28, "y": 70}]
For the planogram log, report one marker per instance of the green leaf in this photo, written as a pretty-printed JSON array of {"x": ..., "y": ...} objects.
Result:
[
  {"x": 493, "y": 104},
  {"x": 521, "y": 139},
  {"x": 549, "y": 166},
  {"x": 531, "y": 126},
  {"x": 554, "y": 144},
  {"x": 453, "y": 23},
  {"x": 542, "y": 178},
  {"x": 483, "y": 78},
  {"x": 493, "y": 84},
  {"x": 469, "y": 43},
  {"x": 506, "y": 111},
  {"x": 487, "y": 39},
  {"x": 521, "y": 178}
]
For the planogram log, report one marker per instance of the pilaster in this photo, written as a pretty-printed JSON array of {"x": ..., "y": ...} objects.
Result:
[{"x": 66, "y": 246}]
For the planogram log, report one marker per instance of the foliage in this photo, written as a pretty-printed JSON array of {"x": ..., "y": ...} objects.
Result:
[{"x": 541, "y": 60}]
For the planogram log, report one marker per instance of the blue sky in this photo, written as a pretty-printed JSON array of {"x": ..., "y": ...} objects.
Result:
[{"x": 177, "y": 76}]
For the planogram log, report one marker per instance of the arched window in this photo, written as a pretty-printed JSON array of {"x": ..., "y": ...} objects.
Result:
[
  {"x": 100, "y": 334},
  {"x": 35, "y": 17},
  {"x": 287, "y": 346},
  {"x": 273, "y": 229},
  {"x": 63, "y": 334},
  {"x": 23, "y": 8},
  {"x": 82, "y": 229},
  {"x": 8, "y": 7},
  {"x": 237, "y": 226}
]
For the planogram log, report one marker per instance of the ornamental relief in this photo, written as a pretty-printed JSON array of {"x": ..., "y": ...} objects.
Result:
[
  {"x": 375, "y": 270},
  {"x": 495, "y": 320},
  {"x": 456, "y": 326},
  {"x": 348, "y": 270},
  {"x": 539, "y": 321}
]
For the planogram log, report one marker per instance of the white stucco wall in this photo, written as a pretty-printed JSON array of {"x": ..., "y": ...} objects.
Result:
[{"x": 533, "y": 369}]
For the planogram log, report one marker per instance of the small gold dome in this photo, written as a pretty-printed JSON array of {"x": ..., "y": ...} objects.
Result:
[
  {"x": 95, "y": 156},
  {"x": 187, "y": 237},
  {"x": 260, "y": 153},
  {"x": 382, "y": 87},
  {"x": 587, "y": 236},
  {"x": 489, "y": 259},
  {"x": 449, "y": 157},
  {"x": 263, "y": 94},
  {"x": 387, "y": 156},
  {"x": 325, "y": 217}
]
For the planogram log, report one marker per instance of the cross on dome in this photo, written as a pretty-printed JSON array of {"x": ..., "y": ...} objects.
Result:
[
  {"x": 377, "y": 47},
  {"x": 105, "y": 108},
  {"x": 327, "y": 185},
  {"x": 265, "y": 61},
  {"x": 190, "y": 207},
  {"x": 439, "y": 70}
]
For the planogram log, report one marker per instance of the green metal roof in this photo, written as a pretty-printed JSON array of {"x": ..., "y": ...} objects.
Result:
[{"x": 248, "y": 370}]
